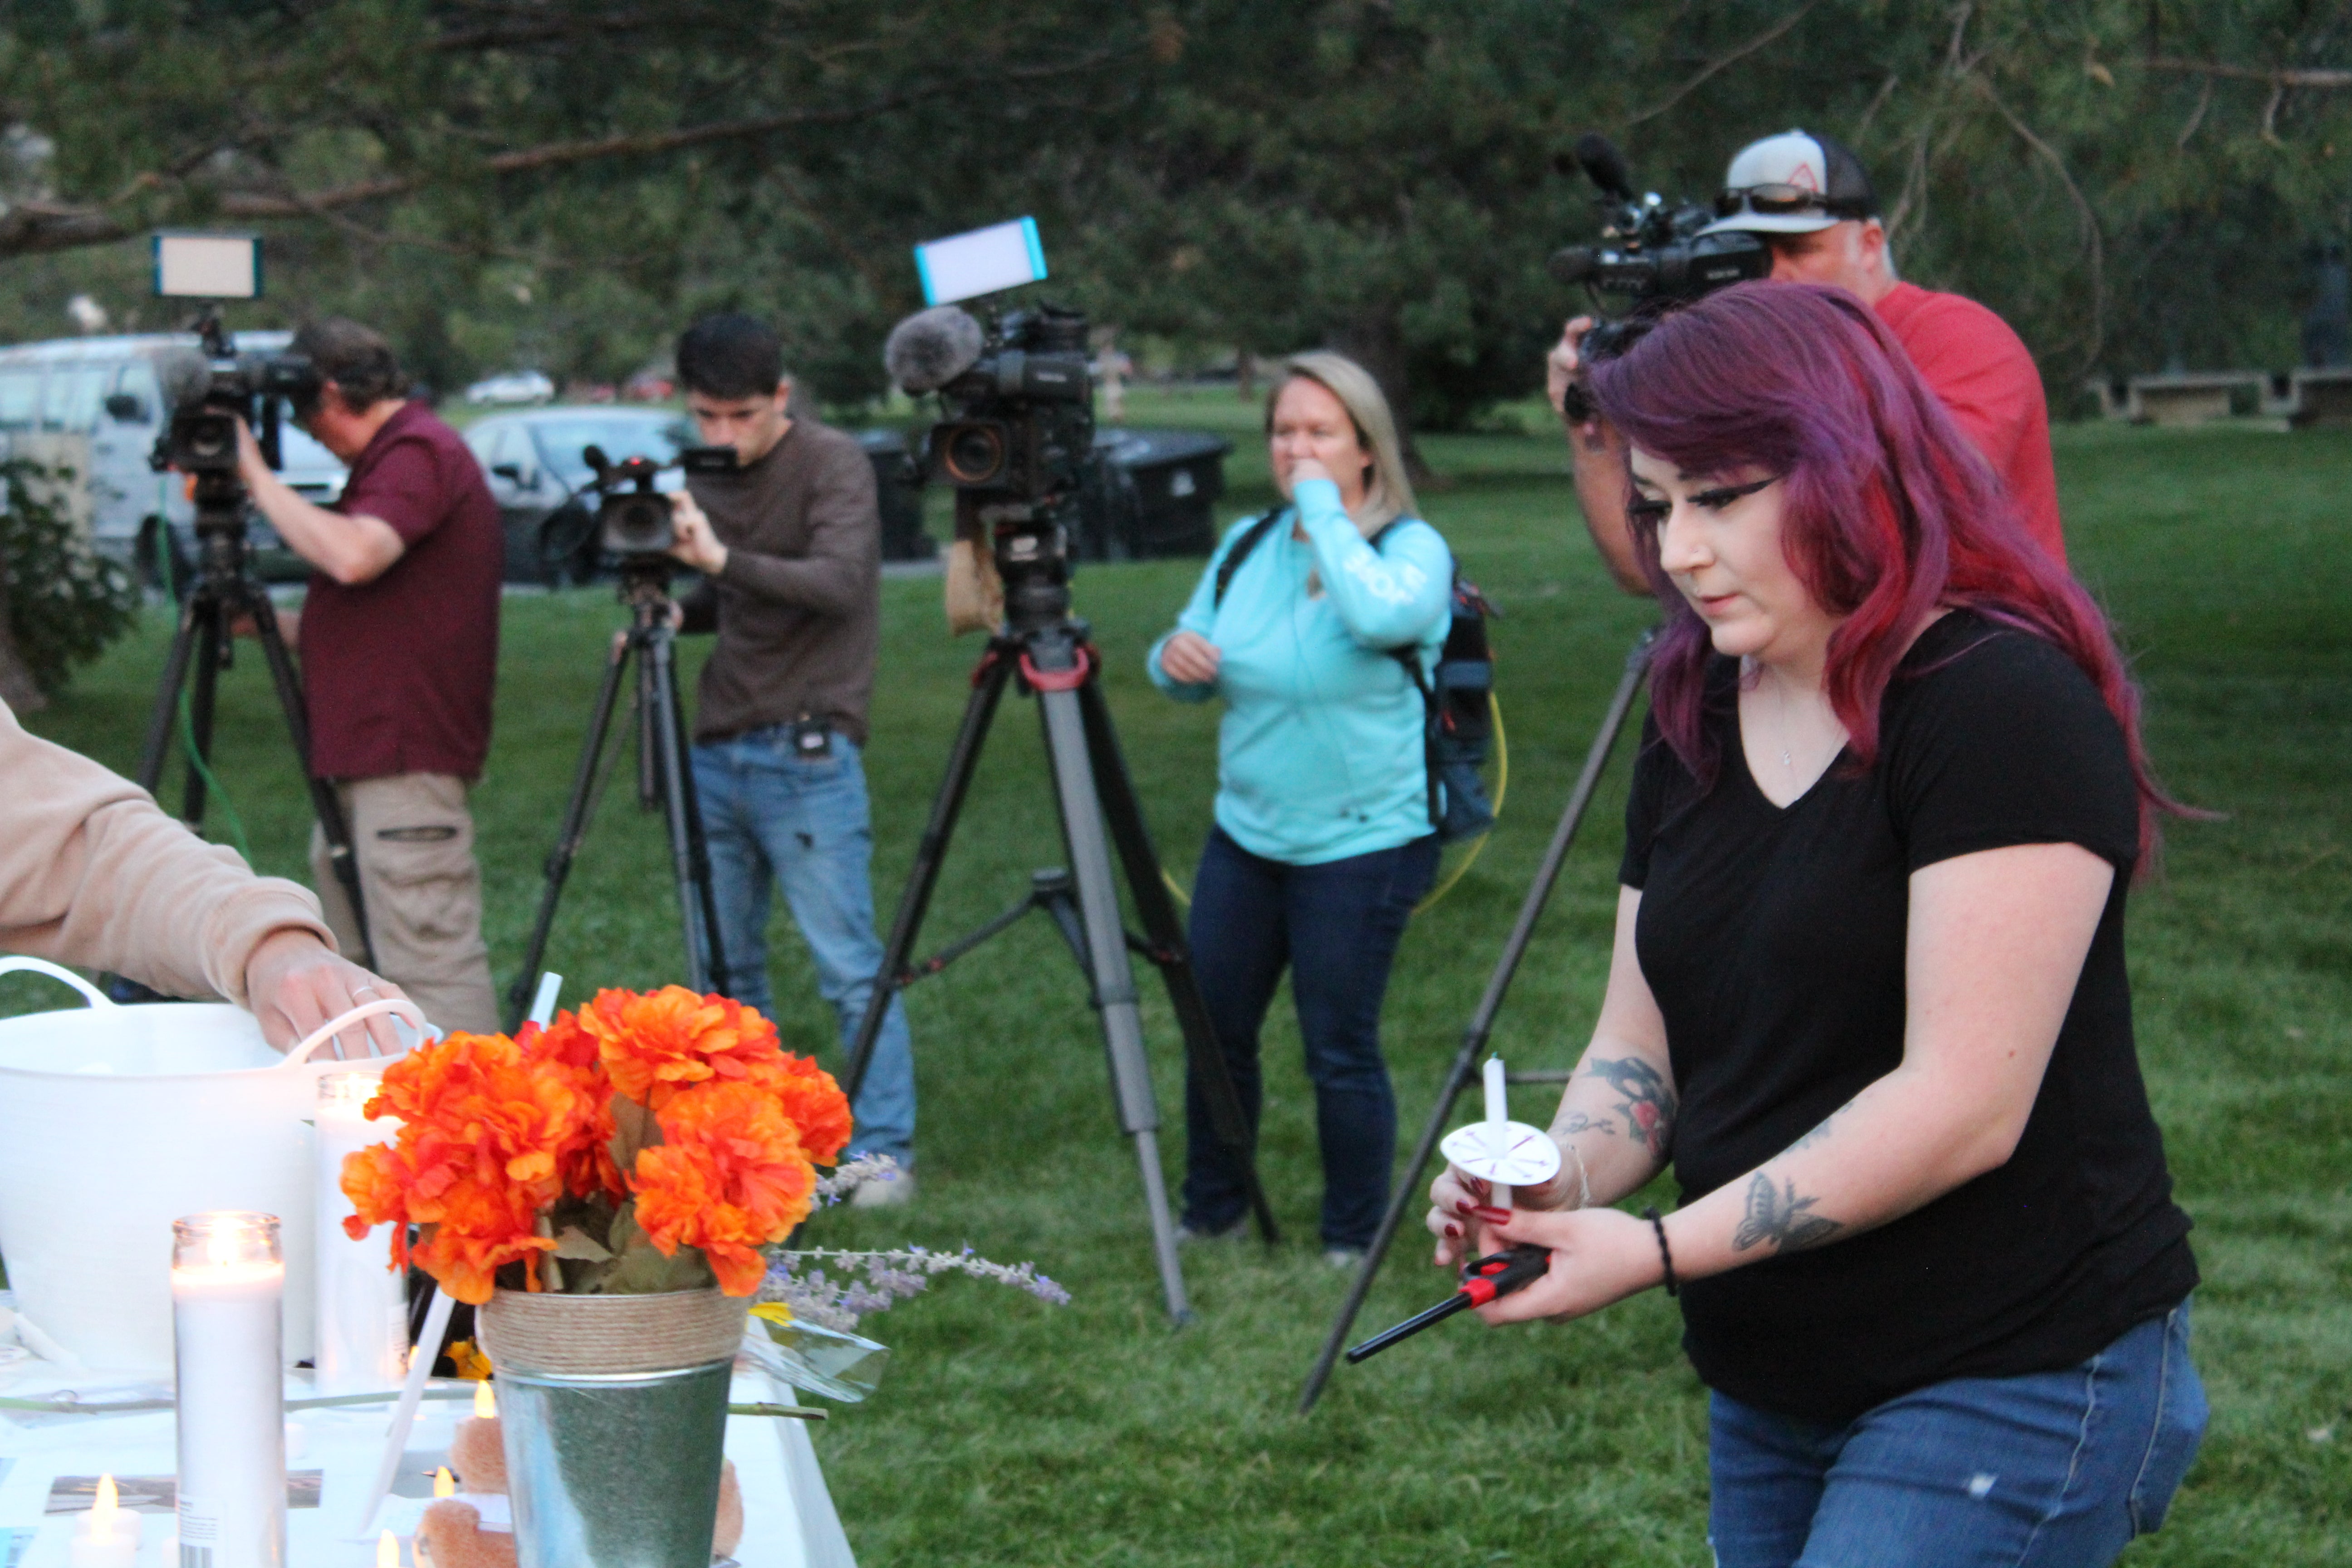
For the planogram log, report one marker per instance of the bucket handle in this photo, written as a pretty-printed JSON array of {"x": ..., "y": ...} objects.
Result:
[
  {"x": 333, "y": 1027},
  {"x": 18, "y": 966}
]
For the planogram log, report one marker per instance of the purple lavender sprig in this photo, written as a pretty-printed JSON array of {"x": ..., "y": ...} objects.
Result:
[
  {"x": 876, "y": 1281},
  {"x": 852, "y": 1174}
]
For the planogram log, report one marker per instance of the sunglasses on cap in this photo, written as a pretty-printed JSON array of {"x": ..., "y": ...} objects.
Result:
[{"x": 1782, "y": 201}]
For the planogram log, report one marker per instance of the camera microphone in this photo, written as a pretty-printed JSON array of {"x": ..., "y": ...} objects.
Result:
[
  {"x": 931, "y": 348},
  {"x": 1604, "y": 166},
  {"x": 184, "y": 375},
  {"x": 598, "y": 464},
  {"x": 1572, "y": 264}
]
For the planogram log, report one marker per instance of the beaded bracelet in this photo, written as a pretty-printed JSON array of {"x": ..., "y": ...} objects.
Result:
[{"x": 1666, "y": 1253}]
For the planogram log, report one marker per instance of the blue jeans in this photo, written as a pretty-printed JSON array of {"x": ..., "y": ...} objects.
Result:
[
  {"x": 771, "y": 816},
  {"x": 2050, "y": 1470},
  {"x": 1336, "y": 926}
]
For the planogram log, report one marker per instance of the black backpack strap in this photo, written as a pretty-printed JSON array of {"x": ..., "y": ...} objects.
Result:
[
  {"x": 1409, "y": 655},
  {"x": 1241, "y": 551}
]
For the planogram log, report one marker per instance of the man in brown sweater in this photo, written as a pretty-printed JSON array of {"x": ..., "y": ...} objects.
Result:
[
  {"x": 790, "y": 545},
  {"x": 93, "y": 873}
]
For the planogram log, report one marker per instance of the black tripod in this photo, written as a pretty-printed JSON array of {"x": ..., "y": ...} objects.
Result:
[
  {"x": 1465, "y": 1070},
  {"x": 223, "y": 589},
  {"x": 665, "y": 782},
  {"x": 1054, "y": 659}
]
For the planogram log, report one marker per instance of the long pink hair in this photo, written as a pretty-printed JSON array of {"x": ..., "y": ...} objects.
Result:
[{"x": 1890, "y": 511}]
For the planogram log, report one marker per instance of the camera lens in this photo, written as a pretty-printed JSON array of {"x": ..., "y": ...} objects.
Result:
[
  {"x": 973, "y": 454},
  {"x": 637, "y": 524}
]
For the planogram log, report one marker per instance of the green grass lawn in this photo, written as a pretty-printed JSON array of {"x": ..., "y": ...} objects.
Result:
[{"x": 1008, "y": 1432}]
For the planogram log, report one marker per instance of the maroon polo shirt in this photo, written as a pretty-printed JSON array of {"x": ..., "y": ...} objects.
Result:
[{"x": 398, "y": 671}]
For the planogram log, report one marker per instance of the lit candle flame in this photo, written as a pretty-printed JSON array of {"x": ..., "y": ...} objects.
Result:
[
  {"x": 220, "y": 1247},
  {"x": 444, "y": 1483},
  {"x": 387, "y": 1551},
  {"x": 103, "y": 1512},
  {"x": 485, "y": 1403}
]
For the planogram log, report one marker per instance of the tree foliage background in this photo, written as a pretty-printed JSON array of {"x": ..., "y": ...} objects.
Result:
[{"x": 561, "y": 183}]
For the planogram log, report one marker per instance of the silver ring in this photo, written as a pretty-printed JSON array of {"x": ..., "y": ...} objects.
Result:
[{"x": 366, "y": 991}]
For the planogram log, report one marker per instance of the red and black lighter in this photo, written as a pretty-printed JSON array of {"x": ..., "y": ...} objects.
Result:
[{"x": 1483, "y": 1280}]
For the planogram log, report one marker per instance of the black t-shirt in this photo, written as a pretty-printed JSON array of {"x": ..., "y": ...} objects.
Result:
[{"x": 1773, "y": 940}]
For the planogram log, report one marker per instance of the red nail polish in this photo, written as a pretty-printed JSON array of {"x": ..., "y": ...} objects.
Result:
[
  {"x": 1453, "y": 1232},
  {"x": 1492, "y": 1215}
]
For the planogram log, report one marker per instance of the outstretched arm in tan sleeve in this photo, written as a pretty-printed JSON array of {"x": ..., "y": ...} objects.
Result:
[{"x": 93, "y": 873}]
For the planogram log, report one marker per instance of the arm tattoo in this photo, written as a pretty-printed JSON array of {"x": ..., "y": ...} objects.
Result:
[
  {"x": 1777, "y": 1214},
  {"x": 1821, "y": 1130},
  {"x": 1649, "y": 1103}
]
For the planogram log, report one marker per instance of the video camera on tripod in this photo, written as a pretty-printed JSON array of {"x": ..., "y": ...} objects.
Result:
[
  {"x": 634, "y": 520},
  {"x": 1658, "y": 252},
  {"x": 1016, "y": 440},
  {"x": 201, "y": 439},
  {"x": 208, "y": 395}
]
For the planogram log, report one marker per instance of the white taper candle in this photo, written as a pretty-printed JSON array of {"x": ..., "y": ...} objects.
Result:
[{"x": 1498, "y": 1116}]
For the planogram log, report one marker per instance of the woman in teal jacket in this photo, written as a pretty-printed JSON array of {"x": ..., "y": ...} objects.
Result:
[{"x": 1323, "y": 842}]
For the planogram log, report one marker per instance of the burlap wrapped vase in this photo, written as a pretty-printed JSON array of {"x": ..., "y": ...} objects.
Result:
[{"x": 614, "y": 1415}]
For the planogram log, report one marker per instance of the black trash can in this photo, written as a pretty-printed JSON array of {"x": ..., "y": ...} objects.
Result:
[
  {"x": 898, "y": 490},
  {"x": 1177, "y": 477}
]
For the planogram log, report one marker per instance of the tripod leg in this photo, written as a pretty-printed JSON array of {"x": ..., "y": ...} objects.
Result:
[
  {"x": 684, "y": 804},
  {"x": 1482, "y": 1022},
  {"x": 574, "y": 829},
  {"x": 163, "y": 722},
  {"x": 922, "y": 877},
  {"x": 212, "y": 642},
  {"x": 660, "y": 727},
  {"x": 1112, "y": 976},
  {"x": 1170, "y": 951},
  {"x": 340, "y": 855}
]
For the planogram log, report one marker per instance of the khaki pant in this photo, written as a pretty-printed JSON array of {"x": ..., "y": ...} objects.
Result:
[{"x": 414, "y": 842}]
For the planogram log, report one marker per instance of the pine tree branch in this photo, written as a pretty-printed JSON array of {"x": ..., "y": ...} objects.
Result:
[
  {"x": 2325, "y": 79},
  {"x": 1720, "y": 62},
  {"x": 35, "y": 227},
  {"x": 2087, "y": 217}
]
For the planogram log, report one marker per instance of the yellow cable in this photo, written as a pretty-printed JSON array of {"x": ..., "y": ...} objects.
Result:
[{"x": 1502, "y": 788}]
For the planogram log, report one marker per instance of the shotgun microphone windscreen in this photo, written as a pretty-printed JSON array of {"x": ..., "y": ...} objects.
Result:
[{"x": 931, "y": 348}]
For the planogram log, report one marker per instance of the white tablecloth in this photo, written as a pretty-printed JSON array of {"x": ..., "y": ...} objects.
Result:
[{"x": 788, "y": 1518}]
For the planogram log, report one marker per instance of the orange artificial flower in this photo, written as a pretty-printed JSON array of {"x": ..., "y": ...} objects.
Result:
[
  {"x": 652, "y": 1045},
  {"x": 475, "y": 1159},
  {"x": 730, "y": 1178},
  {"x": 494, "y": 1130},
  {"x": 584, "y": 1161},
  {"x": 810, "y": 1097}
]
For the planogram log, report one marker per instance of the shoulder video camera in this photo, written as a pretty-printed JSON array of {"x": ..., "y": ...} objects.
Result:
[
  {"x": 1651, "y": 250},
  {"x": 202, "y": 436},
  {"x": 1021, "y": 417}
]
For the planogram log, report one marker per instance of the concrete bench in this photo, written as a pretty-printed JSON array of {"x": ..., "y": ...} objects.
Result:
[
  {"x": 2319, "y": 394},
  {"x": 2189, "y": 397}
]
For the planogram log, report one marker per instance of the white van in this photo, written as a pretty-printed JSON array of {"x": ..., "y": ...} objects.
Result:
[{"x": 93, "y": 406}]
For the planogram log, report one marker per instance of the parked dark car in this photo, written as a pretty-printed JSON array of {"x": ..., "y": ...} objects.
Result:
[{"x": 542, "y": 481}]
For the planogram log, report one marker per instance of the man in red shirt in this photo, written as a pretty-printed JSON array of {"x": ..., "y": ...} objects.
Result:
[
  {"x": 1809, "y": 199},
  {"x": 399, "y": 637}
]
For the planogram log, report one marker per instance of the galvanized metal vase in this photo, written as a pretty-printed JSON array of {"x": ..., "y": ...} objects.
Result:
[{"x": 614, "y": 1414}]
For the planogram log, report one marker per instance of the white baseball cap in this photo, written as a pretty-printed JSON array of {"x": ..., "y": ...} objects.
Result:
[{"x": 1795, "y": 182}]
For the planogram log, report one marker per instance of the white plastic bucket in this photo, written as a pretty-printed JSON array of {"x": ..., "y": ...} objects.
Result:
[{"x": 116, "y": 1121}]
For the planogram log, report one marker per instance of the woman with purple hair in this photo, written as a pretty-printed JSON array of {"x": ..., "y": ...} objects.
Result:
[{"x": 1868, "y": 994}]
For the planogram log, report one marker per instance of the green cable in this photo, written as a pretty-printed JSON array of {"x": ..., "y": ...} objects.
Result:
[{"x": 187, "y": 709}]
